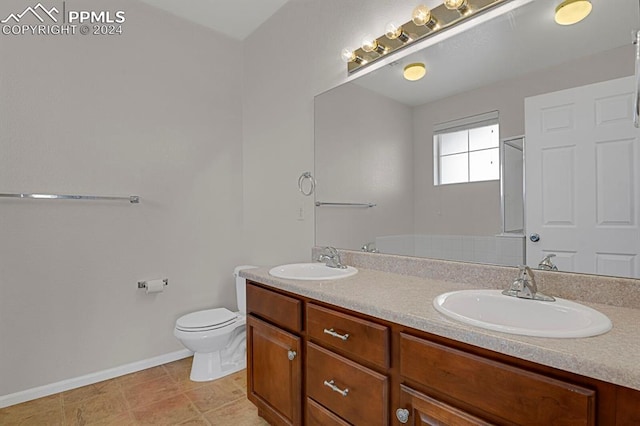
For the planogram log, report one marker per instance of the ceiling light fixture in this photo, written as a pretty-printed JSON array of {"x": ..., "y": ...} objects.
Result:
[
  {"x": 424, "y": 23},
  {"x": 571, "y": 12},
  {"x": 414, "y": 72}
]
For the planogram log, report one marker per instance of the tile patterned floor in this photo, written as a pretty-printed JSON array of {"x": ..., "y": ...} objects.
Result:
[{"x": 162, "y": 395}]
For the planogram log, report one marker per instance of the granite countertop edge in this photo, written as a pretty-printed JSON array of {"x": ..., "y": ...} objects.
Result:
[{"x": 407, "y": 300}]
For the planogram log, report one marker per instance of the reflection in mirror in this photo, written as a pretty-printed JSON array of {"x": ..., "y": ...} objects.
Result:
[
  {"x": 512, "y": 185},
  {"x": 374, "y": 143}
]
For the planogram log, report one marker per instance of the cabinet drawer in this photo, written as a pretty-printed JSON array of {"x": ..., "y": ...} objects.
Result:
[
  {"x": 424, "y": 410},
  {"x": 317, "y": 415},
  {"x": 360, "y": 395},
  {"x": 504, "y": 391},
  {"x": 349, "y": 335},
  {"x": 282, "y": 310}
]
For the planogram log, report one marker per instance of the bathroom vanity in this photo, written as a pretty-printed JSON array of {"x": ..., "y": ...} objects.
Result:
[{"x": 371, "y": 350}]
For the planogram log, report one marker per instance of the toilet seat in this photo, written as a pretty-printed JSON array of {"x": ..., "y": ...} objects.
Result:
[{"x": 210, "y": 319}]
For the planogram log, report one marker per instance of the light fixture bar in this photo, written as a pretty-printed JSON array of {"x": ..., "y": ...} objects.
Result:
[{"x": 446, "y": 18}]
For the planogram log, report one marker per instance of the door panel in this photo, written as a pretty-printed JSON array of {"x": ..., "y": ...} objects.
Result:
[{"x": 581, "y": 163}]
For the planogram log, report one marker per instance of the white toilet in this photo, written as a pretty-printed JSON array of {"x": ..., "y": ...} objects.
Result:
[{"x": 216, "y": 336}]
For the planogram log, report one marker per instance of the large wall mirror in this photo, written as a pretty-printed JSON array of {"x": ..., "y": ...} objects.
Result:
[{"x": 565, "y": 151}]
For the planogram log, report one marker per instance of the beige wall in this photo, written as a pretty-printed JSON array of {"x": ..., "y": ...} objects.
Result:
[
  {"x": 154, "y": 112},
  {"x": 363, "y": 154},
  {"x": 290, "y": 59}
]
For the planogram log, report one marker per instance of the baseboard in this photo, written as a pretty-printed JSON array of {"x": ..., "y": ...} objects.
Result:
[{"x": 89, "y": 379}]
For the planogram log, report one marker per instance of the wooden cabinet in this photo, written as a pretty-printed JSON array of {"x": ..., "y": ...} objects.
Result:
[
  {"x": 274, "y": 355},
  {"x": 314, "y": 364}
]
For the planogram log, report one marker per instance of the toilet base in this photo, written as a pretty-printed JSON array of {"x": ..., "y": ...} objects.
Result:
[{"x": 209, "y": 366}]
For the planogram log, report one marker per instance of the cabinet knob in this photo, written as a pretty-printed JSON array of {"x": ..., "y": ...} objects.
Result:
[
  {"x": 402, "y": 414},
  {"x": 291, "y": 355}
]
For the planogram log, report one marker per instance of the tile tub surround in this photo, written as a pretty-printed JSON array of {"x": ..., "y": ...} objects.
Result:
[
  {"x": 407, "y": 300},
  {"x": 161, "y": 395}
]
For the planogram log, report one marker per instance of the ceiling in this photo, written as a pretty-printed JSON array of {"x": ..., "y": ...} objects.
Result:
[
  {"x": 234, "y": 18},
  {"x": 521, "y": 41}
]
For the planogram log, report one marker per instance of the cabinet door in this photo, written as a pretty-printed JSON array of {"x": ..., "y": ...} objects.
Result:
[
  {"x": 417, "y": 409},
  {"x": 274, "y": 372}
]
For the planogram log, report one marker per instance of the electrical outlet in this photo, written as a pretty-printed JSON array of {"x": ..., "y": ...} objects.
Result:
[{"x": 300, "y": 212}]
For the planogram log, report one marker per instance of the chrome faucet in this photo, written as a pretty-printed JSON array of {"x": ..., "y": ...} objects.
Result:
[
  {"x": 524, "y": 287},
  {"x": 546, "y": 264},
  {"x": 370, "y": 247},
  {"x": 331, "y": 257}
]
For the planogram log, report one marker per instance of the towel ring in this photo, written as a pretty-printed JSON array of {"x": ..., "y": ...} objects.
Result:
[{"x": 301, "y": 179}]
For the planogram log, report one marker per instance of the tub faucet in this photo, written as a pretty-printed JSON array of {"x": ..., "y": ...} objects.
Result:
[
  {"x": 331, "y": 258},
  {"x": 524, "y": 287}
]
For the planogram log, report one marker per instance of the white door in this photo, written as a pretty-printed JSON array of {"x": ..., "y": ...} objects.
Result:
[{"x": 582, "y": 164}]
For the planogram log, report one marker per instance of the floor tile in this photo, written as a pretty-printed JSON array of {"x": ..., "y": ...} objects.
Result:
[
  {"x": 86, "y": 392},
  {"x": 150, "y": 391},
  {"x": 124, "y": 419},
  {"x": 157, "y": 396},
  {"x": 180, "y": 367},
  {"x": 48, "y": 408},
  {"x": 239, "y": 413},
  {"x": 214, "y": 394},
  {"x": 198, "y": 421},
  {"x": 95, "y": 409},
  {"x": 171, "y": 411},
  {"x": 139, "y": 377},
  {"x": 239, "y": 379},
  {"x": 37, "y": 418}
]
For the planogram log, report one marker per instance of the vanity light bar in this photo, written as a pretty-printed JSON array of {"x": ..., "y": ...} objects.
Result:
[{"x": 410, "y": 32}]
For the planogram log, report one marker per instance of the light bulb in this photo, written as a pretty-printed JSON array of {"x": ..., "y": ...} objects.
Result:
[
  {"x": 459, "y": 5},
  {"x": 571, "y": 12},
  {"x": 421, "y": 15},
  {"x": 392, "y": 31},
  {"x": 369, "y": 43},
  {"x": 348, "y": 55},
  {"x": 413, "y": 72}
]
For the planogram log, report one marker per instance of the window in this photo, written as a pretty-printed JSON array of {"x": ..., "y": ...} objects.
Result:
[{"x": 467, "y": 150}]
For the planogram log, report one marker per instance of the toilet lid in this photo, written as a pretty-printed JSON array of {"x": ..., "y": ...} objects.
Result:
[{"x": 206, "y": 319}]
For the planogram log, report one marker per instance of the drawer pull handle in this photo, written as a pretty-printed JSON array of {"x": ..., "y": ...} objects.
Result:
[
  {"x": 334, "y": 388},
  {"x": 402, "y": 414},
  {"x": 331, "y": 332},
  {"x": 291, "y": 355}
]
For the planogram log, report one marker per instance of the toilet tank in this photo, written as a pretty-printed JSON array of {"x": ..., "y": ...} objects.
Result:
[{"x": 241, "y": 287}]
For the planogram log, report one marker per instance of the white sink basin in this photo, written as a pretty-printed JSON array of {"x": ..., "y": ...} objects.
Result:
[
  {"x": 492, "y": 310},
  {"x": 311, "y": 272}
]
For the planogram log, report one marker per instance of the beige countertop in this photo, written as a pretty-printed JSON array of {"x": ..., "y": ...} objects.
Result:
[{"x": 407, "y": 300}]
